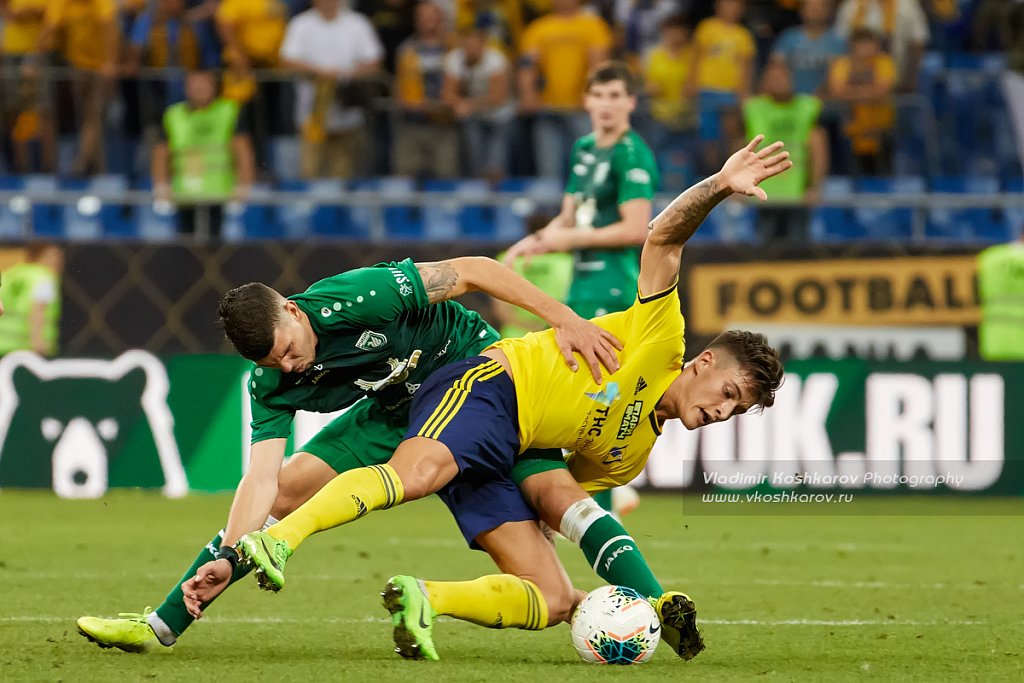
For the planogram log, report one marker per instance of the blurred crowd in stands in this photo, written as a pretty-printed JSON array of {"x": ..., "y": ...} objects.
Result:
[{"x": 478, "y": 88}]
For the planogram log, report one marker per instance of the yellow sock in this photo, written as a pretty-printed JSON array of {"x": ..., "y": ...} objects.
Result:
[
  {"x": 497, "y": 601},
  {"x": 347, "y": 497}
]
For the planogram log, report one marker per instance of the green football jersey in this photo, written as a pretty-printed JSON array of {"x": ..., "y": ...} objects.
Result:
[
  {"x": 377, "y": 336},
  {"x": 601, "y": 179}
]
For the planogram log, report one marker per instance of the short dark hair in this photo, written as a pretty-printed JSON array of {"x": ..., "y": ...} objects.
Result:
[
  {"x": 865, "y": 33},
  {"x": 759, "y": 362},
  {"x": 677, "y": 21},
  {"x": 249, "y": 315},
  {"x": 606, "y": 72}
]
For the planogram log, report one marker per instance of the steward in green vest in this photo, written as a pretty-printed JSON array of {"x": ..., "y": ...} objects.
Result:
[
  {"x": 1001, "y": 289},
  {"x": 204, "y": 157},
  {"x": 781, "y": 114},
  {"x": 30, "y": 293}
]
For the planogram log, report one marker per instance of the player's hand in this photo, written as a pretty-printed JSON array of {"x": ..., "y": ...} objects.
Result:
[
  {"x": 524, "y": 248},
  {"x": 557, "y": 239},
  {"x": 745, "y": 169},
  {"x": 597, "y": 346},
  {"x": 210, "y": 581}
]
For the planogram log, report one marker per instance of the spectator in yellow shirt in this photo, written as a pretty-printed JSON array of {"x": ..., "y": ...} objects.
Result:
[
  {"x": 556, "y": 53},
  {"x": 26, "y": 106},
  {"x": 722, "y": 66},
  {"x": 90, "y": 42},
  {"x": 252, "y": 32},
  {"x": 864, "y": 80},
  {"x": 666, "y": 71}
]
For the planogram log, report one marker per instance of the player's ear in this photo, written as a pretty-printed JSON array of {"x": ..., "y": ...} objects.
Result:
[
  {"x": 292, "y": 309},
  {"x": 704, "y": 361}
]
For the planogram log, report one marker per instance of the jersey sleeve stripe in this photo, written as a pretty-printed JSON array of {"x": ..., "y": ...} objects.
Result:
[
  {"x": 654, "y": 424},
  {"x": 657, "y": 295}
]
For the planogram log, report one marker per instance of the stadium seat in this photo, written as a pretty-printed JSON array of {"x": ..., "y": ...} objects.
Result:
[
  {"x": 153, "y": 223},
  {"x": 46, "y": 217},
  {"x": 284, "y": 157},
  {"x": 458, "y": 217},
  {"x": 307, "y": 216},
  {"x": 885, "y": 223},
  {"x": 1014, "y": 217},
  {"x": 13, "y": 217},
  {"x": 833, "y": 223},
  {"x": 526, "y": 196},
  {"x": 401, "y": 221},
  {"x": 967, "y": 224},
  {"x": 730, "y": 221},
  {"x": 251, "y": 220},
  {"x": 90, "y": 218}
]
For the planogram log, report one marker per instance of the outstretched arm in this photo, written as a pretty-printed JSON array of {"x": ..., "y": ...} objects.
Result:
[
  {"x": 445, "y": 280},
  {"x": 741, "y": 174}
]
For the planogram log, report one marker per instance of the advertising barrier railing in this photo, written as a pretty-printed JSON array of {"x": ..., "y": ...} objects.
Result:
[{"x": 83, "y": 426}]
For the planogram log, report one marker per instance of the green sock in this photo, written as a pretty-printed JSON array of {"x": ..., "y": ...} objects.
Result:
[
  {"x": 172, "y": 611},
  {"x": 604, "y": 499},
  {"x": 614, "y": 555}
]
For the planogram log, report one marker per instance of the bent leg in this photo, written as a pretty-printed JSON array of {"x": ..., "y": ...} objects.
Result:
[
  {"x": 301, "y": 477},
  {"x": 608, "y": 547}
]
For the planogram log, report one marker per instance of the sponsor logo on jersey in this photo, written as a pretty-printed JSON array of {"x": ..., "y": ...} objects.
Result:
[
  {"x": 607, "y": 396},
  {"x": 400, "y": 370},
  {"x": 598, "y": 424},
  {"x": 641, "y": 384},
  {"x": 614, "y": 455},
  {"x": 444, "y": 349},
  {"x": 405, "y": 290},
  {"x": 630, "y": 419},
  {"x": 368, "y": 340}
]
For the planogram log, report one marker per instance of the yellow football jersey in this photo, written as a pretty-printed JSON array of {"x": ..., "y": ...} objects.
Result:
[{"x": 609, "y": 427}]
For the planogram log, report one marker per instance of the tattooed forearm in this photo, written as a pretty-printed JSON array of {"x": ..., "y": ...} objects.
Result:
[
  {"x": 680, "y": 219},
  {"x": 439, "y": 279}
]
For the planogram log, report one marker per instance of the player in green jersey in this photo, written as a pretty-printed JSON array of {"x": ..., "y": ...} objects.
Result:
[
  {"x": 607, "y": 204},
  {"x": 607, "y": 201},
  {"x": 373, "y": 332}
]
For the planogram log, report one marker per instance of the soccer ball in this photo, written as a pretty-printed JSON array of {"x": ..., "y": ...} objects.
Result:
[{"x": 615, "y": 625}]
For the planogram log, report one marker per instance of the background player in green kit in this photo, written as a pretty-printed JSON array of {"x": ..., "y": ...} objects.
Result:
[
  {"x": 607, "y": 201},
  {"x": 374, "y": 332},
  {"x": 607, "y": 204}
]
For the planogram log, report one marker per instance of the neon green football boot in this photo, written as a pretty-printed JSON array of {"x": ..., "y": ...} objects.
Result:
[
  {"x": 131, "y": 633},
  {"x": 269, "y": 555},
  {"x": 678, "y": 617},
  {"x": 412, "y": 617}
]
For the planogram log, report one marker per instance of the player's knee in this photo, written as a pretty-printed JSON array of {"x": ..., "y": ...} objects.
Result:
[
  {"x": 423, "y": 466},
  {"x": 290, "y": 495}
]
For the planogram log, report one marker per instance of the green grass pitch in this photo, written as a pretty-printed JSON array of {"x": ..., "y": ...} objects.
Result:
[{"x": 931, "y": 591}]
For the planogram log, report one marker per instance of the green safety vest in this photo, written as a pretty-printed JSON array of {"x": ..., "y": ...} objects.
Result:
[
  {"x": 552, "y": 273},
  {"x": 791, "y": 122},
  {"x": 202, "y": 161},
  {"x": 16, "y": 289},
  {"x": 1001, "y": 289}
]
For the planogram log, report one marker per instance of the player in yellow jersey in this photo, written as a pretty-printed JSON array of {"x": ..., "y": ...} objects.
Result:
[{"x": 471, "y": 419}]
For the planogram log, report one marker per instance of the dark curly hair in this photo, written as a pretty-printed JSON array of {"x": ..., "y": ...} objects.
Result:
[
  {"x": 249, "y": 315},
  {"x": 759, "y": 361}
]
